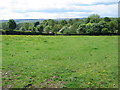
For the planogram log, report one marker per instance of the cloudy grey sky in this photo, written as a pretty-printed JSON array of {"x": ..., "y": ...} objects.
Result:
[{"x": 46, "y": 9}]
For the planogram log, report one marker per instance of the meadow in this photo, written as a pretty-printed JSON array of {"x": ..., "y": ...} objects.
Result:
[{"x": 30, "y": 61}]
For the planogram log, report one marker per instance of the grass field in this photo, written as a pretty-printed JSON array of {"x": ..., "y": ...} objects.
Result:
[{"x": 59, "y": 61}]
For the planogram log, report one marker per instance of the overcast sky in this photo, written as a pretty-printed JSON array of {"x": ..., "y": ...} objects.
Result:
[{"x": 51, "y": 9}]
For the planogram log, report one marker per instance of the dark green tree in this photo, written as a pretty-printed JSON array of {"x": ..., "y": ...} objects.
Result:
[
  {"x": 56, "y": 28},
  {"x": 26, "y": 26},
  {"x": 81, "y": 29},
  {"x": 33, "y": 29},
  {"x": 94, "y": 18},
  {"x": 95, "y": 28},
  {"x": 40, "y": 28},
  {"x": 19, "y": 25},
  {"x": 73, "y": 28},
  {"x": 63, "y": 22},
  {"x": 47, "y": 29},
  {"x": 51, "y": 22},
  {"x": 107, "y": 19},
  {"x": 70, "y": 22},
  {"x": 36, "y": 23},
  {"x": 103, "y": 24},
  {"x": 113, "y": 26},
  {"x": 86, "y": 20},
  {"x": 104, "y": 31},
  {"x": 11, "y": 24},
  {"x": 4, "y": 26},
  {"x": 67, "y": 30}
]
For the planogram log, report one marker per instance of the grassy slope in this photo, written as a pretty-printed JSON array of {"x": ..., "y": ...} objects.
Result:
[{"x": 61, "y": 61}]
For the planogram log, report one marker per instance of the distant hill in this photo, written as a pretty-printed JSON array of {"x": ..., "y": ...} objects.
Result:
[
  {"x": 35, "y": 20},
  {"x": 24, "y": 20}
]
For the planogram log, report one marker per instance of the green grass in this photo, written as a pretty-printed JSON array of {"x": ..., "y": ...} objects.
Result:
[{"x": 60, "y": 61}]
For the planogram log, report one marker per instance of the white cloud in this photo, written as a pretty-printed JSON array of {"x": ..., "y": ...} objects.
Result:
[{"x": 12, "y": 8}]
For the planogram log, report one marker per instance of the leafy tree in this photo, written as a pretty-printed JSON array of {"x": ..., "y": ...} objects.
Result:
[
  {"x": 22, "y": 28},
  {"x": 30, "y": 28},
  {"x": 19, "y": 25},
  {"x": 91, "y": 25},
  {"x": 4, "y": 26},
  {"x": 76, "y": 20},
  {"x": 47, "y": 29},
  {"x": 107, "y": 19},
  {"x": 95, "y": 28},
  {"x": 74, "y": 27},
  {"x": 51, "y": 22},
  {"x": 67, "y": 30},
  {"x": 86, "y": 20},
  {"x": 105, "y": 31},
  {"x": 63, "y": 29},
  {"x": 26, "y": 26},
  {"x": 113, "y": 26},
  {"x": 36, "y": 23},
  {"x": 94, "y": 18},
  {"x": 70, "y": 22},
  {"x": 63, "y": 22},
  {"x": 118, "y": 20},
  {"x": 81, "y": 29},
  {"x": 45, "y": 22},
  {"x": 33, "y": 29},
  {"x": 103, "y": 24},
  {"x": 40, "y": 28},
  {"x": 56, "y": 28},
  {"x": 11, "y": 24},
  {"x": 0, "y": 25}
]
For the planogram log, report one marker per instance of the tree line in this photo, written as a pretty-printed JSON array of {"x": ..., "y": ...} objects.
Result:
[{"x": 91, "y": 25}]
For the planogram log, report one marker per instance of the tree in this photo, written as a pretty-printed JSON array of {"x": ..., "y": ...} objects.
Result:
[
  {"x": 26, "y": 26},
  {"x": 94, "y": 18},
  {"x": 86, "y": 20},
  {"x": 56, "y": 28},
  {"x": 0, "y": 25},
  {"x": 44, "y": 23},
  {"x": 70, "y": 22},
  {"x": 81, "y": 29},
  {"x": 63, "y": 22},
  {"x": 95, "y": 28},
  {"x": 67, "y": 30},
  {"x": 92, "y": 28},
  {"x": 118, "y": 20},
  {"x": 107, "y": 19},
  {"x": 51, "y": 22},
  {"x": 33, "y": 29},
  {"x": 103, "y": 24},
  {"x": 4, "y": 26},
  {"x": 105, "y": 31},
  {"x": 30, "y": 28},
  {"x": 113, "y": 26},
  {"x": 47, "y": 29},
  {"x": 74, "y": 27},
  {"x": 22, "y": 28},
  {"x": 19, "y": 25},
  {"x": 40, "y": 28},
  {"x": 11, "y": 24},
  {"x": 36, "y": 23}
]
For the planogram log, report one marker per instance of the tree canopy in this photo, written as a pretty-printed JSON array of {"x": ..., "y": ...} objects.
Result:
[
  {"x": 11, "y": 24},
  {"x": 93, "y": 24}
]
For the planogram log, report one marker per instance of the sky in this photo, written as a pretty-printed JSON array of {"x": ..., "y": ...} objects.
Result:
[{"x": 52, "y": 9}]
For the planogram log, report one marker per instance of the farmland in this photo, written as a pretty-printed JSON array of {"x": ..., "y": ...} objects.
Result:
[{"x": 59, "y": 61}]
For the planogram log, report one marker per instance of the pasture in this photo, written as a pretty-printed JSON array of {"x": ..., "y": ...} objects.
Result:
[{"x": 59, "y": 61}]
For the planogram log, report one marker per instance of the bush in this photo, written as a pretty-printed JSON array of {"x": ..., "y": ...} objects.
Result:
[
  {"x": 104, "y": 31},
  {"x": 19, "y": 32}
]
